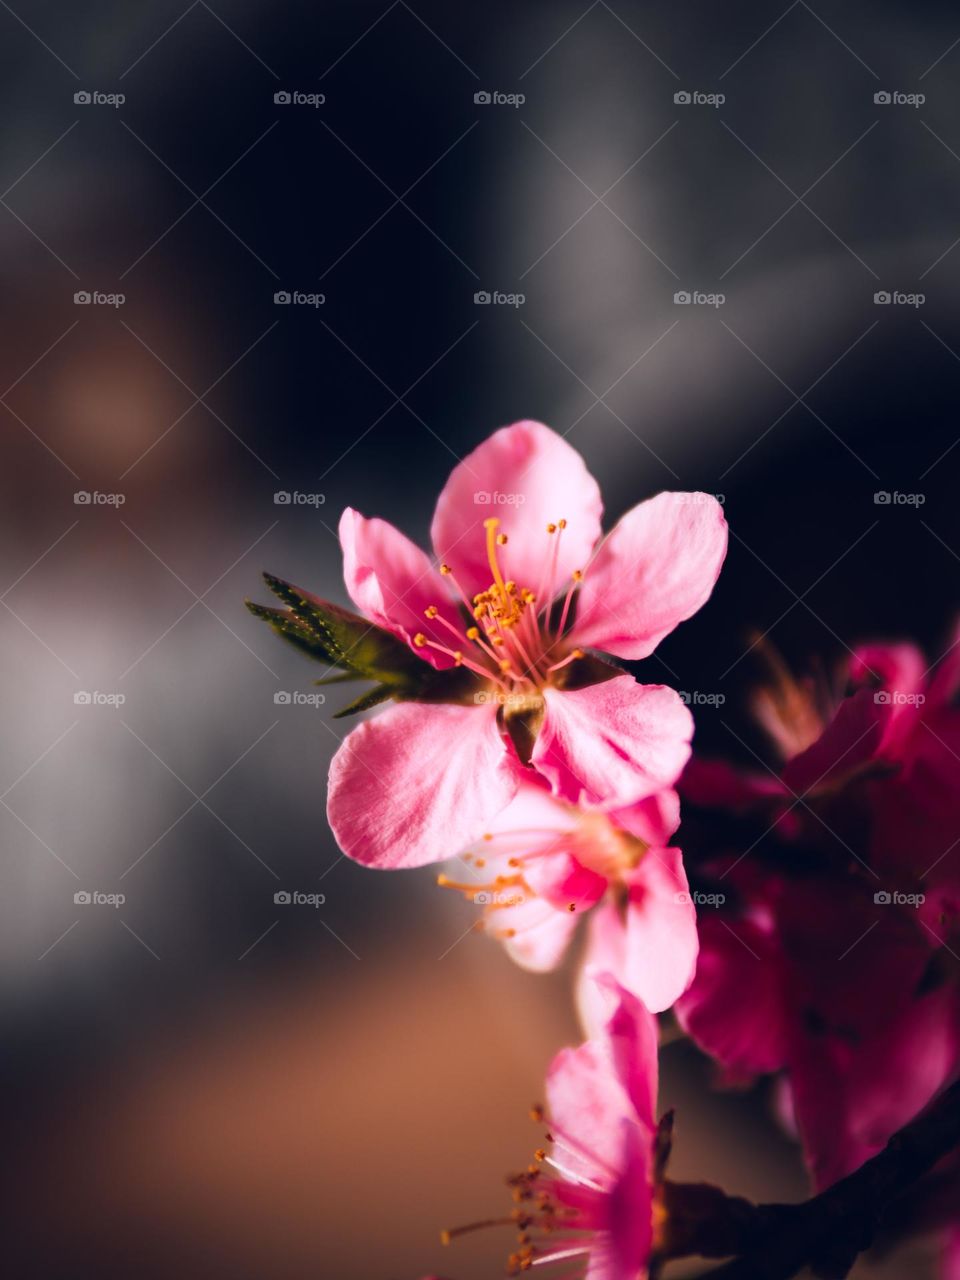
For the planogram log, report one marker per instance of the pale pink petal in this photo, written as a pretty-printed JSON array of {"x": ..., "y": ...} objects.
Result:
[
  {"x": 651, "y": 948},
  {"x": 604, "y": 953},
  {"x": 541, "y": 933},
  {"x": 392, "y": 582},
  {"x": 534, "y": 811},
  {"x": 656, "y": 568},
  {"x": 735, "y": 1009},
  {"x": 527, "y": 477},
  {"x": 661, "y": 945},
  {"x": 411, "y": 785},
  {"x": 585, "y": 1105},
  {"x": 613, "y": 743}
]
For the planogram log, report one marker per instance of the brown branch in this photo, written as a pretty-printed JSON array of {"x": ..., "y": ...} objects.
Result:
[{"x": 825, "y": 1233}]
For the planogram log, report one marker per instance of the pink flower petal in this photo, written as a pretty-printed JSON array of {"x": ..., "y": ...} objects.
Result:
[
  {"x": 527, "y": 477},
  {"x": 413, "y": 784},
  {"x": 651, "y": 949},
  {"x": 653, "y": 820},
  {"x": 392, "y": 582},
  {"x": 661, "y": 943},
  {"x": 613, "y": 743},
  {"x": 656, "y": 568},
  {"x": 541, "y": 933},
  {"x": 851, "y": 740},
  {"x": 735, "y": 1008}
]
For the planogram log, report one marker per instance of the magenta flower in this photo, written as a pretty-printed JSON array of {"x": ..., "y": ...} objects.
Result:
[
  {"x": 845, "y": 919},
  {"x": 543, "y": 863},
  {"x": 521, "y": 593},
  {"x": 591, "y": 1197}
]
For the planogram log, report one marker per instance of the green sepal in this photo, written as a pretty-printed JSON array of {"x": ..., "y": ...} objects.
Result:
[{"x": 361, "y": 650}]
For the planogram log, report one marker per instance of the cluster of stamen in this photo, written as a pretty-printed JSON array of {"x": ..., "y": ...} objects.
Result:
[
  {"x": 510, "y": 640},
  {"x": 537, "y": 1215}
]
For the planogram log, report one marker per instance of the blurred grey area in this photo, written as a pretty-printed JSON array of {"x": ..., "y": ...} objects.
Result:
[{"x": 688, "y": 219}]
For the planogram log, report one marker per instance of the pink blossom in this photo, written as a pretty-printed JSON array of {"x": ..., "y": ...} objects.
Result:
[
  {"x": 521, "y": 592},
  {"x": 543, "y": 863},
  {"x": 590, "y": 1198},
  {"x": 837, "y": 963}
]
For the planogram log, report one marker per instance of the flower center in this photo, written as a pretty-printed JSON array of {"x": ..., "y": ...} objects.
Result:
[
  {"x": 600, "y": 846},
  {"x": 514, "y": 639}
]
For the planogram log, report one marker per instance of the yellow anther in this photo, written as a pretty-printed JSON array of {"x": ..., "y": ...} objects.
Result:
[
  {"x": 578, "y": 575},
  {"x": 458, "y": 657},
  {"x": 445, "y": 569},
  {"x": 419, "y": 639},
  {"x": 473, "y": 633},
  {"x": 431, "y": 611},
  {"x": 551, "y": 528},
  {"x": 505, "y": 666},
  {"x": 563, "y": 524},
  {"x": 501, "y": 539}
]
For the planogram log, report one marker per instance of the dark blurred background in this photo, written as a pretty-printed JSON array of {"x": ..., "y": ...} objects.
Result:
[{"x": 202, "y": 1082}]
